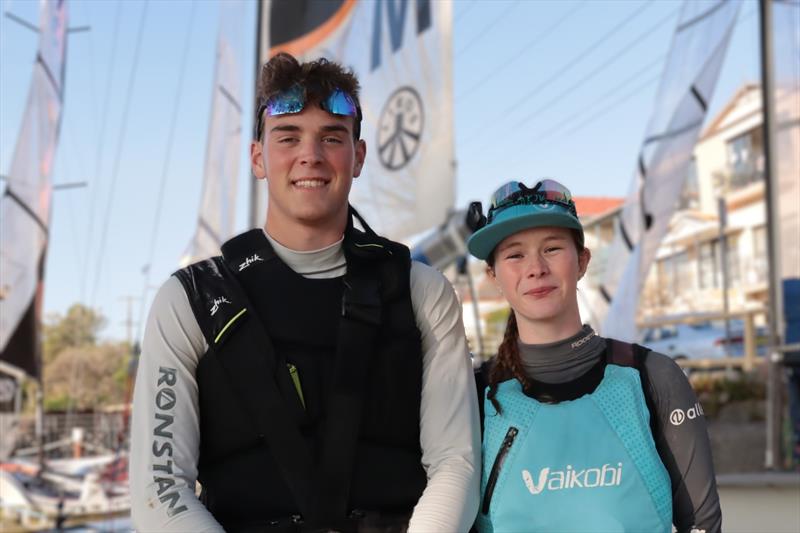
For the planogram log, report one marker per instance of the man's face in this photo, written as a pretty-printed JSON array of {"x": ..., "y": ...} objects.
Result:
[{"x": 309, "y": 160}]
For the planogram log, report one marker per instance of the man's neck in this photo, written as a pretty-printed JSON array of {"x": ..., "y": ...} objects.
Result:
[{"x": 302, "y": 238}]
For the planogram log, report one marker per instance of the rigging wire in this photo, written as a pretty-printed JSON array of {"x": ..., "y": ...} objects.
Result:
[
  {"x": 99, "y": 154},
  {"x": 525, "y": 49},
  {"x": 165, "y": 170},
  {"x": 659, "y": 61},
  {"x": 549, "y": 135},
  {"x": 118, "y": 157},
  {"x": 487, "y": 27},
  {"x": 616, "y": 56},
  {"x": 464, "y": 11},
  {"x": 577, "y": 59}
]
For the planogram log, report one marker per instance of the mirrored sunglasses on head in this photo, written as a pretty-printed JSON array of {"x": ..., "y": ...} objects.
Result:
[
  {"x": 293, "y": 100},
  {"x": 546, "y": 191}
]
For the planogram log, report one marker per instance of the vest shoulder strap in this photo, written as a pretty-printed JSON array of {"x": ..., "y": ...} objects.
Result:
[
  {"x": 633, "y": 355},
  {"x": 212, "y": 294}
]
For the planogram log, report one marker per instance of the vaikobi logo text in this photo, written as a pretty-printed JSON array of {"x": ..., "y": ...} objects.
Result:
[{"x": 588, "y": 478}]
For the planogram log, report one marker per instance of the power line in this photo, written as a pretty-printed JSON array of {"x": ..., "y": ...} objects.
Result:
[
  {"x": 611, "y": 92},
  {"x": 571, "y": 64},
  {"x": 118, "y": 158},
  {"x": 616, "y": 56},
  {"x": 487, "y": 27},
  {"x": 525, "y": 49},
  {"x": 99, "y": 154},
  {"x": 165, "y": 168},
  {"x": 464, "y": 11}
]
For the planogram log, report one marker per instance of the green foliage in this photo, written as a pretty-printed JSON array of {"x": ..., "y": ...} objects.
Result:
[
  {"x": 716, "y": 392},
  {"x": 86, "y": 377},
  {"x": 78, "y": 328},
  {"x": 498, "y": 317},
  {"x": 80, "y": 373}
]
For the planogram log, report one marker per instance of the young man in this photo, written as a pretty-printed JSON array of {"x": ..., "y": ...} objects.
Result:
[{"x": 312, "y": 378}]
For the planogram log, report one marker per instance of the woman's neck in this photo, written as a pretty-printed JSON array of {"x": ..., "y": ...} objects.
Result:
[{"x": 547, "y": 331}]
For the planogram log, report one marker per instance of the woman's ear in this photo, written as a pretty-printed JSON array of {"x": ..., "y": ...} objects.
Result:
[{"x": 583, "y": 261}]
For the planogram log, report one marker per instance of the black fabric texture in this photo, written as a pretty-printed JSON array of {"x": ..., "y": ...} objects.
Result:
[{"x": 299, "y": 321}]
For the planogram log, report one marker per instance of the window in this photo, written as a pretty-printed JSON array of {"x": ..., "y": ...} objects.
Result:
[
  {"x": 690, "y": 194},
  {"x": 746, "y": 158},
  {"x": 707, "y": 265},
  {"x": 760, "y": 255}
]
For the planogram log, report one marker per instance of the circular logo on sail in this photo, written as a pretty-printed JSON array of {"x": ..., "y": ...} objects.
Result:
[{"x": 400, "y": 128}]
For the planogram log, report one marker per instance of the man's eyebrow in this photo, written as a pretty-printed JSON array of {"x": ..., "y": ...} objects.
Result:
[
  {"x": 326, "y": 128},
  {"x": 335, "y": 127},
  {"x": 285, "y": 127}
]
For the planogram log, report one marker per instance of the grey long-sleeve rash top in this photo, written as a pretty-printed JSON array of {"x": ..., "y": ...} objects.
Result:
[
  {"x": 681, "y": 434},
  {"x": 165, "y": 435}
]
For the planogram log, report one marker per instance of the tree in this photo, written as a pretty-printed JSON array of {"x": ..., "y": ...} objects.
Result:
[
  {"x": 86, "y": 377},
  {"x": 78, "y": 328}
]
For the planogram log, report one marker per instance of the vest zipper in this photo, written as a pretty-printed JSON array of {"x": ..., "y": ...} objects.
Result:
[{"x": 508, "y": 441}]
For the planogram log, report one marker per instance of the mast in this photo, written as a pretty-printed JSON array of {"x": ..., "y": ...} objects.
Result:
[
  {"x": 252, "y": 217},
  {"x": 774, "y": 382}
]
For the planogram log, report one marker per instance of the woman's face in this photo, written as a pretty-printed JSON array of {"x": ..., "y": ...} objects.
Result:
[{"x": 538, "y": 270}]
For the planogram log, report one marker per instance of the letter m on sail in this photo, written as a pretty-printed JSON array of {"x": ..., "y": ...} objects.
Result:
[{"x": 396, "y": 21}]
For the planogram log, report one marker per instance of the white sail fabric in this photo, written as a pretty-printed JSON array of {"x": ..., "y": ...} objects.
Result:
[
  {"x": 698, "y": 48},
  {"x": 217, "y": 216},
  {"x": 401, "y": 51},
  {"x": 25, "y": 204},
  {"x": 786, "y": 97}
]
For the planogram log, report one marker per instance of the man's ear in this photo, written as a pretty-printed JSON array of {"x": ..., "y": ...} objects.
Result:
[
  {"x": 583, "y": 261},
  {"x": 257, "y": 160},
  {"x": 361, "y": 155}
]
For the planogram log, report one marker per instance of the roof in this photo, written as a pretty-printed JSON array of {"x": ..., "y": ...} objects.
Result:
[
  {"x": 591, "y": 206},
  {"x": 719, "y": 119}
]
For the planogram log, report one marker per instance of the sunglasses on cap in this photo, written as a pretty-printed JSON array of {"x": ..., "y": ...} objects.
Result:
[
  {"x": 293, "y": 100},
  {"x": 547, "y": 191}
]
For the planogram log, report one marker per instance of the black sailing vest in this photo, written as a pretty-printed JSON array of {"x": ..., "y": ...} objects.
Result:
[{"x": 290, "y": 365}]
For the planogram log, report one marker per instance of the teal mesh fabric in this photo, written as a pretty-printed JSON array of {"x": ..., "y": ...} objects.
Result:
[
  {"x": 622, "y": 403},
  {"x": 519, "y": 411}
]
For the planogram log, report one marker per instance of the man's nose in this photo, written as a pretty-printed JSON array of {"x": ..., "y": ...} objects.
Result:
[{"x": 311, "y": 153}]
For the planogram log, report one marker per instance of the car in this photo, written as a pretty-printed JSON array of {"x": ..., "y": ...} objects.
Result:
[{"x": 701, "y": 340}]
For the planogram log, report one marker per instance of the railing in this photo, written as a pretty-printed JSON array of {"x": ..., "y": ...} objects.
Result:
[{"x": 747, "y": 362}]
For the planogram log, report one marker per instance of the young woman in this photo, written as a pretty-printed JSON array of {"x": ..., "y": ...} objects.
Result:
[{"x": 582, "y": 433}]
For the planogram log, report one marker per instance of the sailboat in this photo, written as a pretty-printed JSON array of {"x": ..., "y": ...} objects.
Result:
[{"x": 39, "y": 493}]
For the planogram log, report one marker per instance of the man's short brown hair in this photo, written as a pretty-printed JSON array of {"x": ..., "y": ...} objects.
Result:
[{"x": 319, "y": 78}]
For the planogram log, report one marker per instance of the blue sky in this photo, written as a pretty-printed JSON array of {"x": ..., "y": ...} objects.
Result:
[{"x": 560, "y": 89}]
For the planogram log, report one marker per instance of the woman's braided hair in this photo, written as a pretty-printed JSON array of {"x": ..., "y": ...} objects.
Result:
[{"x": 507, "y": 364}]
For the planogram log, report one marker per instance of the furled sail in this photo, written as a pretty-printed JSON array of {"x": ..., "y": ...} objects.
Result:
[
  {"x": 25, "y": 204},
  {"x": 217, "y": 216},
  {"x": 401, "y": 52},
  {"x": 698, "y": 49}
]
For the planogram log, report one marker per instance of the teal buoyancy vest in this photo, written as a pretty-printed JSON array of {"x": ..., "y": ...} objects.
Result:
[{"x": 588, "y": 464}]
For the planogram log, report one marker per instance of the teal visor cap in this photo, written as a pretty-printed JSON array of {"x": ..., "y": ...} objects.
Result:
[{"x": 511, "y": 219}]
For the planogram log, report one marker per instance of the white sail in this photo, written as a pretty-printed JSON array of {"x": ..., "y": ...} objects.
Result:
[
  {"x": 786, "y": 98},
  {"x": 698, "y": 48},
  {"x": 401, "y": 51},
  {"x": 217, "y": 216},
  {"x": 25, "y": 204}
]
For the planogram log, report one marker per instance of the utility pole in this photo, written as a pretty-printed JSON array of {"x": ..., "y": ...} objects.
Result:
[{"x": 129, "y": 321}]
